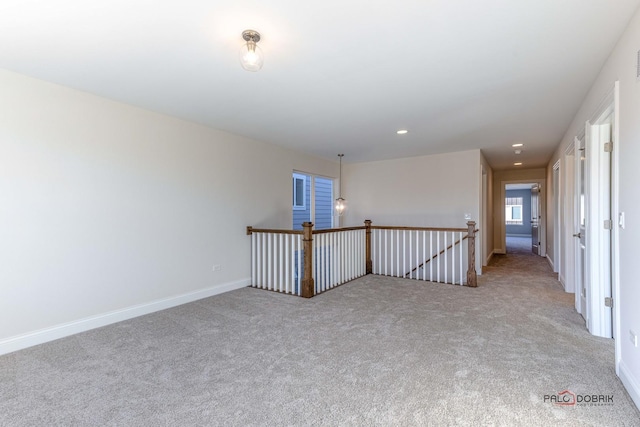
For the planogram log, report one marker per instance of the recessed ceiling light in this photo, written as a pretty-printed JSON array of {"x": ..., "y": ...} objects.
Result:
[
  {"x": 517, "y": 164},
  {"x": 402, "y": 131},
  {"x": 517, "y": 145}
]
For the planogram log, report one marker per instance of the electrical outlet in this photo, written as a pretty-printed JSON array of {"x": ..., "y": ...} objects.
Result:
[
  {"x": 217, "y": 267},
  {"x": 633, "y": 337}
]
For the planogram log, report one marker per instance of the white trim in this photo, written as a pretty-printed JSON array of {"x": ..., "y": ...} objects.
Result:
[
  {"x": 303, "y": 178},
  {"x": 630, "y": 383},
  {"x": 556, "y": 177},
  {"x": 598, "y": 209},
  {"x": 542, "y": 226},
  {"x": 615, "y": 235},
  {"x": 41, "y": 336},
  {"x": 550, "y": 262},
  {"x": 567, "y": 272},
  {"x": 488, "y": 260}
]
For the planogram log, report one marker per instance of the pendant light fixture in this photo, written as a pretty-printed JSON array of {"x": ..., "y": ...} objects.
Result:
[
  {"x": 251, "y": 57},
  {"x": 341, "y": 203}
]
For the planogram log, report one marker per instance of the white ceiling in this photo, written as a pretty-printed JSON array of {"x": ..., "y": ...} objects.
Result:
[{"x": 339, "y": 76}]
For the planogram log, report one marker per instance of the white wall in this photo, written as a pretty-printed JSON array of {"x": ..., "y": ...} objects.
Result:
[
  {"x": 105, "y": 207},
  {"x": 621, "y": 66},
  {"x": 434, "y": 190},
  {"x": 426, "y": 191}
]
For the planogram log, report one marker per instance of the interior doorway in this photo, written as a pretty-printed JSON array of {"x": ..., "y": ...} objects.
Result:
[{"x": 523, "y": 218}]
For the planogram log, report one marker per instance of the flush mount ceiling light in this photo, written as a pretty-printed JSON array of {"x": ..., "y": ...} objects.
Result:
[
  {"x": 517, "y": 164},
  {"x": 341, "y": 203},
  {"x": 402, "y": 132},
  {"x": 251, "y": 57},
  {"x": 519, "y": 144}
]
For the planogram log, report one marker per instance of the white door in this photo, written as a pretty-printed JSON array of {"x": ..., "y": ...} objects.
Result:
[
  {"x": 581, "y": 230},
  {"x": 598, "y": 212}
]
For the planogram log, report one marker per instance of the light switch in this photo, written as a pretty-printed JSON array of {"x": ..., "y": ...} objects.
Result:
[{"x": 621, "y": 220}]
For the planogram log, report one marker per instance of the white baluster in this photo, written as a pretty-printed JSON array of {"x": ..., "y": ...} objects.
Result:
[
  {"x": 253, "y": 259},
  {"x": 263, "y": 260},
  {"x": 397, "y": 272},
  {"x": 431, "y": 255},
  {"x": 379, "y": 237},
  {"x": 461, "y": 251},
  {"x": 417, "y": 255},
  {"x": 340, "y": 257},
  {"x": 453, "y": 257},
  {"x": 352, "y": 251},
  {"x": 424, "y": 254},
  {"x": 298, "y": 252},
  {"x": 446, "y": 255},
  {"x": 438, "y": 252},
  {"x": 410, "y": 255}
]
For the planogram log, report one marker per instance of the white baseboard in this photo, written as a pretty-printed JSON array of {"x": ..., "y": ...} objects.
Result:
[
  {"x": 488, "y": 260},
  {"x": 41, "y": 336},
  {"x": 550, "y": 262},
  {"x": 630, "y": 383}
]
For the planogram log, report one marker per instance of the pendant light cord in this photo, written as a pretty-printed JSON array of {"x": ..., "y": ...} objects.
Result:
[{"x": 340, "y": 183}]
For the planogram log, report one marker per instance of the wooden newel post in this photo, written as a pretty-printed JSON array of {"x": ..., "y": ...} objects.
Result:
[
  {"x": 308, "y": 286},
  {"x": 368, "y": 261},
  {"x": 472, "y": 277}
]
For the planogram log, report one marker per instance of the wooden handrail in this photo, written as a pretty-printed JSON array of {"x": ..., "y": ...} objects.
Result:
[
  {"x": 391, "y": 227},
  {"x": 251, "y": 230},
  {"x": 336, "y": 230}
]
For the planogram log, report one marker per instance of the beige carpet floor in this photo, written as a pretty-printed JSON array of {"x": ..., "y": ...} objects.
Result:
[{"x": 376, "y": 351}]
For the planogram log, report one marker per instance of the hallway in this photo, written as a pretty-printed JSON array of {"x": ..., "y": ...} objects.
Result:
[
  {"x": 518, "y": 245},
  {"x": 564, "y": 356}
]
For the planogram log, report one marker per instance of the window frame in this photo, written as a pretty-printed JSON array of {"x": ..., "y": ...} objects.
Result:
[
  {"x": 510, "y": 204},
  {"x": 303, "y": 178}
]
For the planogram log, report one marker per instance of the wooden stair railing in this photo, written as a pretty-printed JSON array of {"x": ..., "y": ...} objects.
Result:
[
  {"x": 298, "y": 249},
  {"x": 442, "y": 252}
]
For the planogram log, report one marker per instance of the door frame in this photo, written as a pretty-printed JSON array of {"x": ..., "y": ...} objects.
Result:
[
  {"x": 557, "y": 211},
  {"x": 484, "y": 216},
  {"x": 603, "y": 249},
  {"x": 567, "y": 274},
  {"x": 542, "y": 226},
  {"x": 580, "y": 267}
]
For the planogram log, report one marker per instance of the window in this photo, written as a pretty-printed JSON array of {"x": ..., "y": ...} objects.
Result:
[
  {"x": 312, "y": 201},
  {"x": 299, "y": 192},
  {"x": 513, "y": 211}
]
